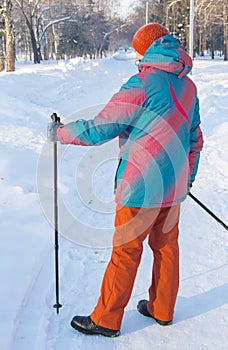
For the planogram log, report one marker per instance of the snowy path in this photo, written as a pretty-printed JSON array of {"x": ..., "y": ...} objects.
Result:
[
  {"x": 201, "y": 297},
  {"x": 28, "y": 320}
]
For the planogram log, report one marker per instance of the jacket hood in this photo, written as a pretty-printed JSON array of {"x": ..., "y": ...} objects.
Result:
[{"x": 167, "y": 54}]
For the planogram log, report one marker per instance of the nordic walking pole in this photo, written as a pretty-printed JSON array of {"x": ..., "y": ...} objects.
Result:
[
  {"x": 52, "y": 137},
  {"x": 208, "y": 211},
  {"x": 57, "y": 305}
]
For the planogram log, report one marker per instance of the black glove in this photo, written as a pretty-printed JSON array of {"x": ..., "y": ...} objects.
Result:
[{"x": 52, "y": 128}]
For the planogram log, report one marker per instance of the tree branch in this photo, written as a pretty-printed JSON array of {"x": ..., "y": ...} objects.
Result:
[{"x": 51, "y": 23}]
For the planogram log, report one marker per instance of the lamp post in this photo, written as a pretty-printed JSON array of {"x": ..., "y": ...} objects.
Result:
[
  {"x": 147, "y": 12},
  {"x": 191, "y": 28}
]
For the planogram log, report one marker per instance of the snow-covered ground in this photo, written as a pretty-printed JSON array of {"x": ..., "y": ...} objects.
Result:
[{"x": 76, "y": 89}]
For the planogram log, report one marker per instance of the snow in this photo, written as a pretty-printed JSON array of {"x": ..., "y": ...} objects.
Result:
[
  {"x": 77, "y": 89},
  {"x": 127, "y": 53}
]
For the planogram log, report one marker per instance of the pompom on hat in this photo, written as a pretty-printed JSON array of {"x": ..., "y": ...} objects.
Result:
[{"x": 146, "y": 35}]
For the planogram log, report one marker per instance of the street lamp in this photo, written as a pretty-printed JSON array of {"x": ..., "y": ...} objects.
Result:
[
  {"x": 191, "y": 28},
  {"x": 147, "y": 12}
]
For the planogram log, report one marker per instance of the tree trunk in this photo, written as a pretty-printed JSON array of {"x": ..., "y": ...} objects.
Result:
[
  {"x": 225, "y": 49},
  {"x": 225, "y": 21},
  {"x": 34, "y": 46},
  {"x": 45, "y": 48},
  {"x": 36, "y": 53},
  {"x": 212, "y": 42},
  {"x": 10, "y": 41},
  {"x": 2, "y": 57},
  {"x": 2, "y": 27},
  {"x": 56, "y": 43},
  {"x": 2, "y": 60}
]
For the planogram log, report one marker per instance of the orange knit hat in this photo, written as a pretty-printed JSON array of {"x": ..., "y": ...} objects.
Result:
[{"x": 146, "y": 35}]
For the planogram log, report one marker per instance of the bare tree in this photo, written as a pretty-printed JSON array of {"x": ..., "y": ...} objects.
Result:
[
  {"x": 30, "y": 12},
  {"x": 33, "y": 14},
  {"x": 212, "y": 26}
]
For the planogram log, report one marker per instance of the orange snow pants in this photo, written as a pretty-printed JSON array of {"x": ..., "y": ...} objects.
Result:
[{"x": 132, "y": 226}]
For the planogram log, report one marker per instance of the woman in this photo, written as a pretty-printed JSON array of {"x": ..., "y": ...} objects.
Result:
[{"x": 156, "y": 117}]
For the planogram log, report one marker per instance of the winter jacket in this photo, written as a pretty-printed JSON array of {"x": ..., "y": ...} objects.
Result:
[{"x": 156, "y": 117}]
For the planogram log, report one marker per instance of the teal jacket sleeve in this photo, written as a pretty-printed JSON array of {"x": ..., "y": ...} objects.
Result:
[{"x": 112, "y": 120}]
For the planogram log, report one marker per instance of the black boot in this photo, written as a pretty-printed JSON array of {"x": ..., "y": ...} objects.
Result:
[
  {"x": 84, "y": 324},
  {"x": 142, "y": 308}
]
